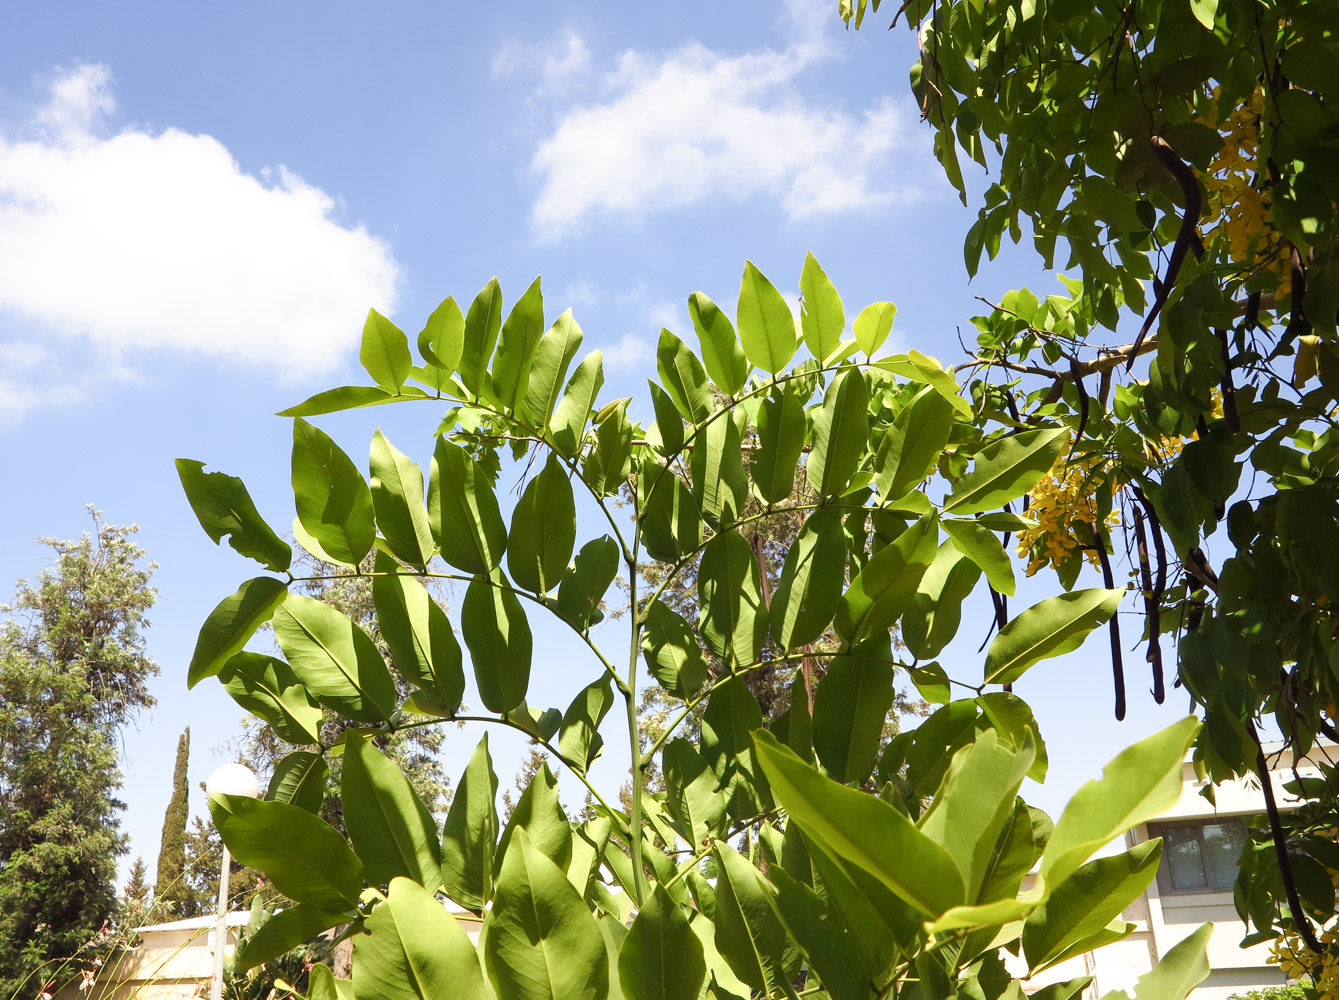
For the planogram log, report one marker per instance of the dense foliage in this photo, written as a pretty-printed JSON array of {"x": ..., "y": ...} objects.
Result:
[{"x": 169, "y": 884}]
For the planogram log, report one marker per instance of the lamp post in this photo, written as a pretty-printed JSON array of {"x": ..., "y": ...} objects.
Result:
[{"x": 230, "y": 779}]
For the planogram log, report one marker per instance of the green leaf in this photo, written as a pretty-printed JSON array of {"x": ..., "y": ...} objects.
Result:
[
  {"x": 232, "y": 624},
  {"x": 731, "y": 715},
  {"x": 850, "y": 707},
  {"x": 733, "y": 618},
  {"x": 335, "y": 660},
  {"x": 875, "y": 921},
  {"x": 442, "y": 338},
  {"x": 826, "y": 946},
  {"x": 540, "y": 814},
  {"x": 470, "y": 833},
  {"x": 286, "y": 930},
  {"x": 542, "y": 942},
  {"x": 224, "y": 507},
  {"x": 920, "y": 368},
  {"x": 463, "y": 511},
  {"x": 932, "y": 621},
  {"x": 691, "y": 792},
  {"x": 608, "y": 463},
  {"x": 397, "y": 499},
  {"x": 549, "y": 368},
  {"x": 822, "y": 318},
  {"x": 499, "y": 641},
  {"x": 682, "y": 376},
  {"x": 322, "y": 985},
  {"x": 721, "y": 353},
  {"x": 887, "y": 585},
  {"x": 268, "y": 689},
  {"x": 423, "y": 645},
  {"x": 299, "y": 779},
  {"x": 841, "y": 432},
  {"x": 670, "y": 521},
  {"x": 586, "y": 581},
  {"x": 385, "y": 352},
  {"x": 671, "y": 651},
  {"x": 1011, "y": 717},
  {"x": 303, "y": 856},
  {"x": 1205, "y": 11},
  {"x": 348, "y": 397},
  {"x": 1183, "y": 968},
  {"x": 333, "y": 503},
  {"x": 543, "y": 530},
  {"x": 391, "y": 828},
  {"x": 912, "y": 445},
  {"x": 1052, "y": 627},
  {"x": 872, "y": 326},
  {"x": 766, "y": 325},
  {"x": 661, "y": 958},
  {"x": 669, "y": 422},
  {"x": 1006, "y": 470},
  {"x": 862, "y": 829},
  {"x": 580, "y": 741},
  {"x": 482, "y": 323},
  {"x": 412, "y": 949},
  {"x": 979, "y": 544},
  {"x": 568, "y": 426},
  {"x": 516, "y": 346},
  {"x": 811, "y": 581},
  {"x": 749, "y": 934},
  {"x": 781, "y": 429},
  {"x": 1088, "y": 900},
  {"x": 720, "y": 485},
  {"x": 1141, "y": 782}
]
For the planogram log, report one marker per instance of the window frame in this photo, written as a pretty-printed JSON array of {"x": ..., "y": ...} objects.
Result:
[{"x": 1164, "y": 879}]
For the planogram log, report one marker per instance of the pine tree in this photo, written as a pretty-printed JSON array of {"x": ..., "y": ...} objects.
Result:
[
  {"x": 73, "y": 672},
  {"x": 168, "y": 886},
  {"x": 199, "y": 885},
  {"x": 135, "y": 895}
]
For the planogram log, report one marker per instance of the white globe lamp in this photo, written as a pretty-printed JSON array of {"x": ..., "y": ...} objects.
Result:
[{"x": 233, "y": 779}]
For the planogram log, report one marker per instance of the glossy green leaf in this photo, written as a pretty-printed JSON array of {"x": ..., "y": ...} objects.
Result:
[
  {"x": 540, "y": 814},
  {"x": 397, "y": 500},
  {"x": 822, "y": 318},
  {"x": 322, "y": 985},
  {"x": 979, "y": 544},
  {"x": 385, "y": 352},
  {"x": 303, "y": 856},
  {"x": 682, "y": 376},
  {"x": 733, "y": 618},
  {"x": 607, "y": 464},
  {"x": 661, "y": 958},
  {"x": 781, "y": 430},
  {"x": 932, "y": 621},
  {"x": 391, "y": 828},
  {"x": 567, "y": 428},
  {"x": 827, "y": 948},
  {"x": 872, "y": 326},
  {"x": 335, "y": 660},
  {"x": 1086, "y": 903},
  {"x": 463, "y": 511},
  {"x": 876, "y": 922},
  {"x": 1181, "y": 969},
  {"x": 671, "y": 524},
  {"x": 542, "y": 942},
  {"x": 543, "y": 530},
  {"x": 721, "y": 353},
  {"x": 300, "y": 778},
  {"x": 691, "y": 792},
  {"x": 499, "y": 642},
  {"x": 549, "y": 368},
  {"x": 851, "y": 706},
  {"x": 1011, "y": 717},
  {"x": 887, "y": 585},
  {"x": 268, "y": 689},
  {"x": 672, "y": 652},
  {"x": 731, "y": 716},
  {"x": 349, "y": 397},
  {"x": 470, "y": 833},
  {"x": 1055, "y": 626},
  {"x": 811, "y": 584},
  {"x": 423, "y": 645},
  {"x": 749, "y": 934},
  {"x": 412, "y": 949},
  {"x": 333, "y": 503},
  {"x": 863, "y": 829},
  {"x": 580, "y": 741},
  {"x": 587, "y": 580},
  {"x": 224, "y": 508},
  {"x": 282, "y": 932},
  {"x": 720, "y": 485},
  {"x": 1005, "y": 470},
  {"x": 232, "y": 624},
  {"x": 841, "y": 431},
  {"x": 442, "y": 338},
  {"x": 911, "y": 447},
  {"x": 920, "y": 368},
  {"x": 766, "y": 324},
  {"x": 667, "y": 435},
  {"x": 1141, "y": 782},
  {"x": 482, "y": 323},
  {"x": 516, "y": 347}
]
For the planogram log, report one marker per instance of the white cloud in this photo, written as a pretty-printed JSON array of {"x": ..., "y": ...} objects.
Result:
[
  {"x": 670, "y": 129},
  {"x": 555, "y": 64},
  {"x": 631, "y": 351},
  {"x": 159, "y": 241}
]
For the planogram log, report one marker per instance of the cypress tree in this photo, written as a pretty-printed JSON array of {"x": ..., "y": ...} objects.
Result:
[{"x": 169, "y": 885}]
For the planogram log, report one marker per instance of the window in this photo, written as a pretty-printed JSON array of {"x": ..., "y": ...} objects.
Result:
[{"x": 1200, "y": 856}]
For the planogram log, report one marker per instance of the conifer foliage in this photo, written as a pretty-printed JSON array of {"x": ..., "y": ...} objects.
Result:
[{"x": 169, "y": 886}]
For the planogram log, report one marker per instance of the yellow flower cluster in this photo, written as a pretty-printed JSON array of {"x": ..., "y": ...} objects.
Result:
[
  {"x": 1297, "y": 962},
  {"x": 1064, "y": 499},
  {"x": 1236, "y": 197}
]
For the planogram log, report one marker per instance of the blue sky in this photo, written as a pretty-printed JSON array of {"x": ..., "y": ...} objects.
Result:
[{"x": 199, "y": 204}]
